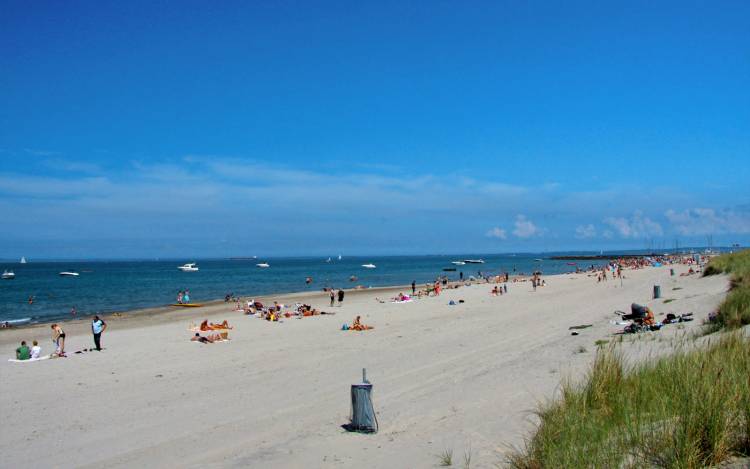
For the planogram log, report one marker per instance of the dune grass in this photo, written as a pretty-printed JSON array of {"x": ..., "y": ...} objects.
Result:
[
  {"x": 734, "y": 311},
  {"x": 687, "y": 410}
]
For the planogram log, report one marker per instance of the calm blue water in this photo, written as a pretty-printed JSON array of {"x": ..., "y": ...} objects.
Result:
[{"x": 108, "y": 286}]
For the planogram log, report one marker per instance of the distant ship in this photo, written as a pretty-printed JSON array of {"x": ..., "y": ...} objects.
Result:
[
  {"x": 263, "y": 265},
  {"x": 190, "y": 267},
  {"x": 8, "y": 275},
  {"x": 474, "y": 261},
  {"x": 458, "y": 263},
  {"x": 368, "y": 266},
  {"x": 23, "y": 260},
  {"x": 69, "y": 273}
]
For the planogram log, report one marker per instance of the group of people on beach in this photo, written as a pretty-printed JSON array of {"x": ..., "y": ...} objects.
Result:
[
  {"x": 183, "y": 297},
  {"x": 98, "y": 326},
  {"x": 334, "y": 295}
]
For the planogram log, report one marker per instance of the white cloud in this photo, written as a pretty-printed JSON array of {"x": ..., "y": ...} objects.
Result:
[
  {"x": 497, "y": 232},
  {"x": 637, "y": 226},
  {"x": 703, "y": 221},
  {"x": 525, "y": 228},
  {"x": 585, "y": 231}
]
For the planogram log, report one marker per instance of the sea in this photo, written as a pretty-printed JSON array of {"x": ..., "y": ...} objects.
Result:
[{"x": 121, "y": 285}]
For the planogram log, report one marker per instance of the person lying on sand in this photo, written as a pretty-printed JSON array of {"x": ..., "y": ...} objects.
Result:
[
  {"x": 210, "y": 339},
  {"x": 358, "y": 326},
  {"x": 205, "y": 326}
]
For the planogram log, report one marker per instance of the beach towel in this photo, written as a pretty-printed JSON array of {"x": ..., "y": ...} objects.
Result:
[{"x": 29, "y": 360}]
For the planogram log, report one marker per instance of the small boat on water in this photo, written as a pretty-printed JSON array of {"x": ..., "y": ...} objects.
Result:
[
  {"x": 263, "y": 265},
  {"x": 538, "y": 260},
  {"x": 69, "y": 273},
  {"x": 8, "y": 275},
  {"x": 368, "y": 266},
  {"x": 474, "y": 261},
  {"x": 190, "y": 267},
  {"x": 458, "y": 263},
  {"x": 23, "y": 260}
]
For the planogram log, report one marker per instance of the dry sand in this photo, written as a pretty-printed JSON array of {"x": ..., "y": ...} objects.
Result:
[{"x": 462, "y": 377}]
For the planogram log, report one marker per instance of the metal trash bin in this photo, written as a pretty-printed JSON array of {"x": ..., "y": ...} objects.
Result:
[{"x": 363, "y": 417}]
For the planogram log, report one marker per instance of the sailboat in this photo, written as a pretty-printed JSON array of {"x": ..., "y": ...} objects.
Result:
[
  {"x": 339, "y": 256},
  {"x": 23, "y": 260},
  {"x": 328, "y": 260}
]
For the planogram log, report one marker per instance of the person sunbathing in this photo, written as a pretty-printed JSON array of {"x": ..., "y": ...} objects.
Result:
[
  {"x": 205, "y": 326},
  {"x": 205, "y": 340},
  {"x": 358, "y": 326}
]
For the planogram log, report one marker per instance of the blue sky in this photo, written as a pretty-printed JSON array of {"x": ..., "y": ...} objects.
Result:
[{"x": 304, "y": 128}]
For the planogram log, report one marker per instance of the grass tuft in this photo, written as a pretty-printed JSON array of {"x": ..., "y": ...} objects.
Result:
[
  {"x": 446, "y": 457},
  {"x": 734, "y": 311},
  {"x": 691, "y": 409}
]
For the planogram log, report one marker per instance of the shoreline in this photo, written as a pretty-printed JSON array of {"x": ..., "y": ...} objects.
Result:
[
  {"x": 167, "y": 314},
  {"x": 140, "y": 317},
  {"x": 213, "y": 304}
]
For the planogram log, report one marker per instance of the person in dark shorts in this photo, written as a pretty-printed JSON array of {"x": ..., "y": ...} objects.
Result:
[
  {"x": 333, "y": 297},
  {"x": 413, "y": 287},
  {"x": 341, "y": 296},
  {"x": 97, "y": 327}
]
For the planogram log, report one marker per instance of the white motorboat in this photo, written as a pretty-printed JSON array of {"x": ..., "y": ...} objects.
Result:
[
  {"x": 474, "y": 261},
  {"x": 263, "y": 265},
  {"x": 458, "y": 263},
  {"x": 69, "y": 273},
  {"x": 189, "y": 267},
  {"x": 23, "y": 260},
  {"x": 368, "y": 266},
  {"x": 8, "y": 275}
]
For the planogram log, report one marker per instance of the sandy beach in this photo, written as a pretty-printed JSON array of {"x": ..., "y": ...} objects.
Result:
[{"x": 464, "y": 378}]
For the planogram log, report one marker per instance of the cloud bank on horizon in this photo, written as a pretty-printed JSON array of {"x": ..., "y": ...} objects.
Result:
[
  {"x": 214, "y": 206},
  {"x": 224, "y": 128}
]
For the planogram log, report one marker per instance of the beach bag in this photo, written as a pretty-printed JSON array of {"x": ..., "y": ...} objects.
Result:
[{"x": 345, "y": 327}]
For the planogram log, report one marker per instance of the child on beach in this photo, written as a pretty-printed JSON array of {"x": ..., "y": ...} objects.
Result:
[{"x": 36, "y": 350}]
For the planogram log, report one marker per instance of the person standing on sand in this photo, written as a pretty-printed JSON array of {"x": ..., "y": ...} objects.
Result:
[
  {"x": 58, "y": 337},
  {"x": 97, "y": 327},
  {"x": 341, "y": 296},
  {"x": 413, "y": 287},
  {"x": 333, "y": 297}
]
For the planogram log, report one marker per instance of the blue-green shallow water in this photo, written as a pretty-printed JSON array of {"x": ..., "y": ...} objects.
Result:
[{"x": 108, "y": 286}]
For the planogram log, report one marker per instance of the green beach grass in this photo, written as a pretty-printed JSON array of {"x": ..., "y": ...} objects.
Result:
[
  {"x": 690, "y": 409},
  {"x": 687, "y": 410},
  {"x": 734, "y": 311}
]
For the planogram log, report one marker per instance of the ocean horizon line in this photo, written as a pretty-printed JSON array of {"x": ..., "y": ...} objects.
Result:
[{"x": 464, "y": 255}]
